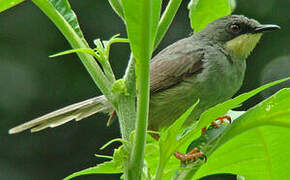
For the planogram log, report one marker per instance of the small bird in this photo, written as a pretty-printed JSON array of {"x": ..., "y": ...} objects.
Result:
[{"x": 209, "y": 65}]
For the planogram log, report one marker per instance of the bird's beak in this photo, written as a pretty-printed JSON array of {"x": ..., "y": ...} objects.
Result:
[{"x": 266, "y": 27}]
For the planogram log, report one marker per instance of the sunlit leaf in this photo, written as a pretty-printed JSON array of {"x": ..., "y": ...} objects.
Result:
[
  {"x": 255, "y": 154},
  {"x": 203, "y": 12},
  {"x": 141, "y": 36},
  {"x": 6, "y": 4}
]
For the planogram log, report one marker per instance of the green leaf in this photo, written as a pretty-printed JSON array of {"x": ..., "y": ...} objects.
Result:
[
  {"x": 60, "y": 13},
  {"x": 114, "y": 166},
  {"x": 221, "y": 109},
  {"x": 6, "y": 4},
  {"x": 117, "y": 7},
  {"x": 152, "y": 157},
  {"x": 252, "y": 154},
  {"x": 205, "y": 143},
  {"x": 166, "y": 19},
  {"x": 262, "y": 154},
  {"x": 170, "y": 140},
  {"x": 211, "y": 114},
  {"x": 255, "y": 154},
  {"x": 84, "y": 50},
  {"x": 64, "y": 8},
  {"x": 108, "y": 167},
  {"x": 203, "y": 12},
  {"x": 141, "y": 36},
  {"x": 103, "y": 156}
]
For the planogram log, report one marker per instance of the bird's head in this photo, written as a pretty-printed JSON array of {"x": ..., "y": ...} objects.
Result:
[{"x": 236, "y": 33}]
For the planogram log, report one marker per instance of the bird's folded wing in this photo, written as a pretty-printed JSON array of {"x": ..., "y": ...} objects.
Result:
[{"x": 172, "y": 65}]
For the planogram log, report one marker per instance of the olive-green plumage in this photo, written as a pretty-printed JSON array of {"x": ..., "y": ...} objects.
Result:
[{"x": 209, "y": 65}]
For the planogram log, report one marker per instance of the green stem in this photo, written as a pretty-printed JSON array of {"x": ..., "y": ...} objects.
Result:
[
  {"x": 166, "y": 19},
  {"x": 76, "y": 42},
  {"x": 126, "y": 109},
  {"x": 142, "y": 73},
  {"x": 108, "y": 71}
]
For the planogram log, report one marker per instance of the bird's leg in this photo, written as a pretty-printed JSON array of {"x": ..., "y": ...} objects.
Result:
[
  {"x": 190, "y": 156},
  {"x": 220, "y": 121}
]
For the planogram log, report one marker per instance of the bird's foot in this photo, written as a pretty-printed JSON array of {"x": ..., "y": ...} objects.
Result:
[
  {"x": 219, "y": 120},
  {"x": 155, "y": 136},
  {"x": 190, "y": 156}
]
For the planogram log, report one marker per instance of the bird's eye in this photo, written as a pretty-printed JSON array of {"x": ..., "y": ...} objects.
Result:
[{"x": 235, "y": 28}]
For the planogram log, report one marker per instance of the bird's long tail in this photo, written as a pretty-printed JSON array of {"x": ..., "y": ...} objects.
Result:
[{"x": 75, "y": 111}]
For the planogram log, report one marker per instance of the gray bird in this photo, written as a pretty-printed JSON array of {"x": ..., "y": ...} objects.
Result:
[{"x": 209, "y": 65}]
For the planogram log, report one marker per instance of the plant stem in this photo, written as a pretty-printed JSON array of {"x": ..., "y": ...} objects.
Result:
[
  {"x": 142, "y": 73},
  {"x": 166, "y": 19},
  {"x": 76, "y": 42},
  {"x": 126, "y": 104}
]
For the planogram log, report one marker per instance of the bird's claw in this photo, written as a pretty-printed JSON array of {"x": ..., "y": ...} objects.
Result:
[
  {"x": 190, "y": 156},
  {"x": 219, "y": 120}
]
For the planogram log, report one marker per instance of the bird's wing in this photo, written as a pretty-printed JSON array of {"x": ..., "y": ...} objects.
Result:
[{"x": 173, "y": 64}]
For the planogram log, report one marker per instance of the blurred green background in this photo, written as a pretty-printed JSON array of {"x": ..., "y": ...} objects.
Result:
[{"x": 31, "y": 84}]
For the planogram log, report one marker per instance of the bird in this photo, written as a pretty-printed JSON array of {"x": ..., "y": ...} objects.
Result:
[{"x": 208, "y": 65}]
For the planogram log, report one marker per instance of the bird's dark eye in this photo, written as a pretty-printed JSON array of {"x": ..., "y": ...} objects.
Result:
[{"x": 235, "y": 28}]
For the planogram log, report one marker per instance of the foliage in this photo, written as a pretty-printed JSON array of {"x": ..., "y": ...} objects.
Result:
[
  {"x": 251, "y": 149},
  {"x": 6, "y": 4},
  {"x": 243, "y": 148},
  {"x": 114, "y": 166},
  {"x": 202, "y": 12}
]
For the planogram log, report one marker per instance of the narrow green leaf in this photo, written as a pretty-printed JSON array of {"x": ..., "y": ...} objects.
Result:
[
  {"x": 117, "y": 7},
  {"x": 112, "y": 141},
  {"x": 203, "y": 12},
  {"x": 170, "y": 140},
  {"x": 175, "y": 129},
  {"x": 6, "y": 4},
  {"x": 166, "y": 19},
  {"x": 114, "y": 166},
  {"x": 221, "y": 109},
  {"x": 83, "y": 50},
  {"x": 108, "y": 167},
  {"x": 103, "y": 156},
  {"x": 64, "y": 8}
]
